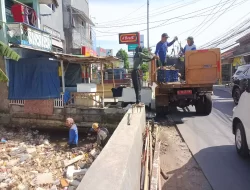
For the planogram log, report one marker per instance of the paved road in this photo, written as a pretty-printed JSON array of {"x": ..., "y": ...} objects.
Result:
[{"x": 211, "y": 141}]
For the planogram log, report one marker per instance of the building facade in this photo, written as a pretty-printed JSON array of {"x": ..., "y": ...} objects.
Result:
[
  {"x": 52, "y": 22},
  {"x": 235, "y": 57},
  {"x": 78, "y": 26}
]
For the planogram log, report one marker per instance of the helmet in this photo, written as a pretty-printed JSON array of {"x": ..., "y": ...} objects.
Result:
[{"x": 95, "y": 126}]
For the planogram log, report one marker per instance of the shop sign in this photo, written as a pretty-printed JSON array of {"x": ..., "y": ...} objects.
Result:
[
  {"x": 129, "y": 38},
  {"x": 39, "y": 39},
  {"x": 101, "y": 52},
  {"x": 109, "y": 52},
  {"x": 132, "y": 47},
  {"x": 87, "y": 51}
]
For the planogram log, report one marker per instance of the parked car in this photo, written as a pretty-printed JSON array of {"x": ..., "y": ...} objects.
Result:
[
  {"x": 239, "y": 82},
  {"x": 241, "y": 124}
]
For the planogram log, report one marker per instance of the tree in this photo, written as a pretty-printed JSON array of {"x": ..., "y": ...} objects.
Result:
[
  {"x": 123, "y": 55},
  {"x": 144, "y": 67}
]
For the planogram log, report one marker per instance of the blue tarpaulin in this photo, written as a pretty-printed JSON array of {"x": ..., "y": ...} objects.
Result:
[{"x": 33, "y": 79}]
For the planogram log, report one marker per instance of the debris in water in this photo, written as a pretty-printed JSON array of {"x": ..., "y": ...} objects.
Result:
[{"x": 28, "y": 160}]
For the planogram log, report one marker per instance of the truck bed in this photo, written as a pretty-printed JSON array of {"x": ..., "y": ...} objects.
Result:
[{"x": 181, "y": 85}]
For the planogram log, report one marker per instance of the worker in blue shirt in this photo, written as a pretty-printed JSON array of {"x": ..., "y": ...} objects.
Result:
[
  {"x": 162, "y": 49},
  {"x": 190, "y": 45},
  {"x": 73, "y": 133}
]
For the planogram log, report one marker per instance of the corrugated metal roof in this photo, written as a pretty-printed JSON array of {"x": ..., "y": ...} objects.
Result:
[
  {"x": 86, "y": 60},
  {"x": 75, "y": 58}
]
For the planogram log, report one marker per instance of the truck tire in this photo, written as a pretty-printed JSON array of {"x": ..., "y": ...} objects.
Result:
[
  {"x": 199, "y": 106},
  {"x": 208, "y": 104},
  {"x": 161, "y": 111},
  {"x": 203, "y": 105}
]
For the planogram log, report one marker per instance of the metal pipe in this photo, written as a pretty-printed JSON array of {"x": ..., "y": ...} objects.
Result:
[
  {"x": 146, "y": 182},
  {"x": 148, "y": 24},
  {"x": 151, "y": 154}
]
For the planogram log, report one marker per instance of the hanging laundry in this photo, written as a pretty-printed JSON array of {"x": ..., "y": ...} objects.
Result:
[
  {"x": 26, "y": 15},
  {"x": 32, "y": 17}
]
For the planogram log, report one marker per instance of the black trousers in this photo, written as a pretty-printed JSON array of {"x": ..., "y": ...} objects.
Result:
[{"x": 137, "y": 84}]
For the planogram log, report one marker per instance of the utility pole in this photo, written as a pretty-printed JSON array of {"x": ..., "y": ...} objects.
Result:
[{"x": 148, "y": 23}]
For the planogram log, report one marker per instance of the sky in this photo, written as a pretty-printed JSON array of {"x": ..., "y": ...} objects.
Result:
[{"x": 202, "y": 19}]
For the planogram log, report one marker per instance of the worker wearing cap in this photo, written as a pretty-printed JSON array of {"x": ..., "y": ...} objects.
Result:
[
  {"x": 139, "y": 59},
  {"x": 102, "y": 134},
  {"x": 162, "y": 49},
  {"x": 190, "y": 45},
  {"x": 73, "y": 132}
]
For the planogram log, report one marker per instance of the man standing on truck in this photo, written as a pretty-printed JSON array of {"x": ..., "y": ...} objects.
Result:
[
  {"x": 190, "y": 45},
  {"x": 162, "y": 49},
  {"x": 139, "y": 58}
]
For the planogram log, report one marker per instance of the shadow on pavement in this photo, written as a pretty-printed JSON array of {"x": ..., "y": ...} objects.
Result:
[{"x": 218, "y": 165}]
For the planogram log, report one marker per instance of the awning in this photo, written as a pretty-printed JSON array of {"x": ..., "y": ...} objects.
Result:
[
  {"x": 86, "y": 60},
  {"x": 242, "y": 55},
  {"x": 82, "y": 15},
  {"x": 80, "y": 59}
]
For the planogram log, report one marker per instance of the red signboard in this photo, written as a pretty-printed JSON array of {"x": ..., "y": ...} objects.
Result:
[
  {"x": 129, "y": 38},
  {"x": 87, "y": 51}
]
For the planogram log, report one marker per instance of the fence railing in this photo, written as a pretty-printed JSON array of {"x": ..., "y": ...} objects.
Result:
[
  {"x": 85, "y": 99},
  {"x": 24, "y": 34},
  {"x": 17, "y": 102},
  {"x": 58, "y": 103}
]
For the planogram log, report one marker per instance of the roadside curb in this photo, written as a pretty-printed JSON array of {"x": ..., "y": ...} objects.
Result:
[{"x": 183, "y": 140}]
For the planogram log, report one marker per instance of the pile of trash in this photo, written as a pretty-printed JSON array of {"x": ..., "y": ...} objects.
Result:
[{"x": 28, "y": 161}]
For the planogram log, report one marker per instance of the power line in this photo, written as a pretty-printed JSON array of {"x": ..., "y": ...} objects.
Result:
[
  {"x": 127, "y": 15},
  {"x": 241, "y": 29},
  {"x": 204, "y": 20},
  {"x": 164, "y": 22},
  {"x": 119, "y": 26},
  {"x": 239, "y": 26},
  {"x": 217, "y": 18},
  {"x": 143, "y": 17},
  {"x": 133, "y": 18}
]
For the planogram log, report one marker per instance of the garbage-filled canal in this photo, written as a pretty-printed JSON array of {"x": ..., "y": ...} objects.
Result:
[{"x": 30, "y": 159}]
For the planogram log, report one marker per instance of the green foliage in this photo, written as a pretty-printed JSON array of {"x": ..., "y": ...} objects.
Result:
[
  {"x": 146, "y": 76},
  {"x": 123, "y": 55},
  {"x": 144, "y": 67},
  {"x": 145, "y": 51}
]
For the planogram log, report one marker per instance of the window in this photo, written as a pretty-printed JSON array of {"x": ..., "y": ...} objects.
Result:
[
  {"x": 52, "y": 6},
  {"x": 240, "y": 70},
  {"x": 247, "y": 73}
]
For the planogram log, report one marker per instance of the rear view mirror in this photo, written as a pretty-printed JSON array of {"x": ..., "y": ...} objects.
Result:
[{"x": 248, "y": 86}]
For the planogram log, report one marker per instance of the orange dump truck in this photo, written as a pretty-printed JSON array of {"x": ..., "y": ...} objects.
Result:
[{"x": 202, "y": 70}]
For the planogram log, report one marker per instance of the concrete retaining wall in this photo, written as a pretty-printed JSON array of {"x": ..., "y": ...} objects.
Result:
[
  {"x": 118, "y": 167},
  {"x": 84, "y": 117}
]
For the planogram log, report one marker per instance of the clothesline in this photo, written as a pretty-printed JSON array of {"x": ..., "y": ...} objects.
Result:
[{"x": 22, "y": 4}]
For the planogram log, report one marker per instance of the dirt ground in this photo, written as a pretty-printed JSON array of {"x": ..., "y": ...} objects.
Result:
[{"x": 178, "y": 164}]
